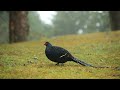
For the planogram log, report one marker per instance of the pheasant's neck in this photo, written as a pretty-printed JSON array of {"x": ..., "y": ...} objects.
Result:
[{"x": 49, "y": 45}]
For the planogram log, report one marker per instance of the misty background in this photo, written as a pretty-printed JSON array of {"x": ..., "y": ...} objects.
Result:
[{"x": 56, "y": 23}]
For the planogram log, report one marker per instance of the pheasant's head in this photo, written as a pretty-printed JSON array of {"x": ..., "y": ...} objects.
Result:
[{"x": 47, "y": 44}]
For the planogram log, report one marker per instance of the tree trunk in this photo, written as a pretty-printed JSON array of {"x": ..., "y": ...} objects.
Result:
[
  {"x": 115, "y": 20},
  {"x": 18, "y": 26}
]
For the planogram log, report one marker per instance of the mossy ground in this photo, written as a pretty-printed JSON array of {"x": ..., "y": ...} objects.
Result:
[{"x": 27, "y": 60}]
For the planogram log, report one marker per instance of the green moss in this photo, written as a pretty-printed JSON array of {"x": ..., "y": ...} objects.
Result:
[{"x": 100, "y": 49}]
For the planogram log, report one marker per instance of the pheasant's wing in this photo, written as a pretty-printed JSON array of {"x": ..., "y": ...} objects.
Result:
[{"x": 61, "y": 52}]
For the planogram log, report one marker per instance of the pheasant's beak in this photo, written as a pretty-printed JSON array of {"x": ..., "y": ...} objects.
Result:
[{"x": 45, "y": 44}]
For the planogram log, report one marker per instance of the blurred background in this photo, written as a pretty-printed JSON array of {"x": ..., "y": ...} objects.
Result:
[{"x": 17, "y": 26}]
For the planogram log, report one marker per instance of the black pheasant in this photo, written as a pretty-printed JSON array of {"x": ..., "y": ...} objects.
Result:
[{"x": 61, "y": 55}]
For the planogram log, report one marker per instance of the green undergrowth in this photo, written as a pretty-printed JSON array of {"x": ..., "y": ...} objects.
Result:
[{"x": 27, "y": 60}]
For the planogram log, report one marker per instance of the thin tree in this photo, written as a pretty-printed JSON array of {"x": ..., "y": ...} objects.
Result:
[{"x": 115, "y": 20}]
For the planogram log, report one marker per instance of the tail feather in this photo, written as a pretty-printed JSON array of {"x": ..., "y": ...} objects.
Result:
[
  {"x": 81, "y": 62},
  {"x": 85, "y": 64}
]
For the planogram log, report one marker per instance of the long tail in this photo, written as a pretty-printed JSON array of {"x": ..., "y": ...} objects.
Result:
[
  {"x": 85, "y": 64},
  {"x": 81, "y": 62}
]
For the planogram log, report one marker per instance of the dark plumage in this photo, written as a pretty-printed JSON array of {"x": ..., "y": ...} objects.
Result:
[{"x": 61, "y": 55}]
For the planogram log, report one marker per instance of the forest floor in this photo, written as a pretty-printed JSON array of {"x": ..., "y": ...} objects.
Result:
[{"x": 27, "y": 60}]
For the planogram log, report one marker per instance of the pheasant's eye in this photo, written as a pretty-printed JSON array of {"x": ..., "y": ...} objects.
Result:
[{"x": 46, "y": 43}]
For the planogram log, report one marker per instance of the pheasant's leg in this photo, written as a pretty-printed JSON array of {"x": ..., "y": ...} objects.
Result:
[
  {"x": 62, "y": 64},
  {"x": 57, "y": 64}
]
